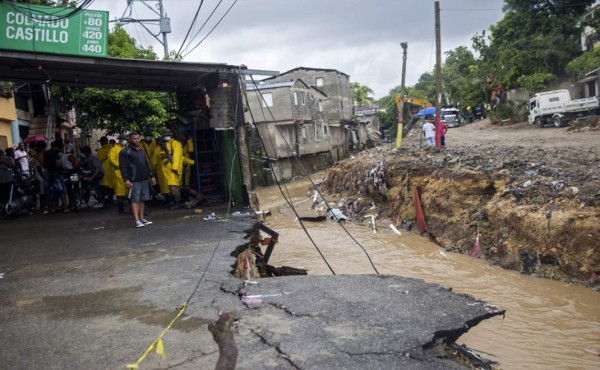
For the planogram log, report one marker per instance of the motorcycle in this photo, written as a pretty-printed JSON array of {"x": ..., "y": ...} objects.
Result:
[{"x": 21, "y": 197}]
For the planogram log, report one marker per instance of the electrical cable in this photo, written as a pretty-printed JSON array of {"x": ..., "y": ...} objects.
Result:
[
  {"x": 314, "y": 185},
  {"x": 203, "y": 24},
  {"x": 212, "y": 29},
  {"x": 283, "y": 194},
  {"x": 190, "y": 28},
  {"x": 84, "y": 5}
]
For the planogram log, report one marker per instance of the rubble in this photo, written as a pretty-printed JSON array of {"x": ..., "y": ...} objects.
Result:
[{"x": 527, "y": 200}]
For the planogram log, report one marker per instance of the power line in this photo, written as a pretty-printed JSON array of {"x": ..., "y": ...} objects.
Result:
[
  {"x": 215, "y": 26},
  {"x": 205, "y": 22},
  {"x": 288, "y": 201},
  {"x": 295, "y": 156},
  {"x": 190, "y": 28}
]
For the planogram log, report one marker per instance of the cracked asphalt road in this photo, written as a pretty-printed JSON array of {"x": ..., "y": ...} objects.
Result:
[{"x": 89, "y": 291}]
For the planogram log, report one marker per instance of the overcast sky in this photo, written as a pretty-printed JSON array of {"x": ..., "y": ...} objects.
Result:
[{"x": 360, "y": 38}]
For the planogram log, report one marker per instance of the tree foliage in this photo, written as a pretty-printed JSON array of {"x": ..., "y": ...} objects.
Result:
[
  {"x": 534, "y": 37},
  {"x": 360, "y": 94},
  {"x": 585, "y": 63},
  {"x": 120, "y": 110}
]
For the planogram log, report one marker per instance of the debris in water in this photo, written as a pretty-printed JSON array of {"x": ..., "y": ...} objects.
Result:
[
  {"x": 336, "y": 214},
  {"x": 394, "y": 229}
]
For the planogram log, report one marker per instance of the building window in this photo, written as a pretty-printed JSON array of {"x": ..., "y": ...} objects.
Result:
[
  {"x": 295, "y": 97},
  {"x": 303, "y": 133},
  {"x": 319, "y": 81},
  {"x": 325, "y": 129},
  {"x": 319, "y": 131},
  {"x": 267, "y": 100},
  {"x": 302, "y": 100}
]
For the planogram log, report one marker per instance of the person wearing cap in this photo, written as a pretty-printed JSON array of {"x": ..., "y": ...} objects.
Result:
[
  {"x": 135, "y": 169},
  {"x": 173, "y": 167},
  {"x": 107, "y": 180},
  {"x": 118, "y": 183}
]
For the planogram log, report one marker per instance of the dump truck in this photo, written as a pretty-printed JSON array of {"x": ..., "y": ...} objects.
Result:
[{"x": 556, "y": 107}]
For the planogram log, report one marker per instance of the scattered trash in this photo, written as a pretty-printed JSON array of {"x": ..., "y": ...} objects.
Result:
[
  {"x": 394, "y": 229},
  {"x": 336, "y": 214},
  {"x": 263, "y": 214},
  {"x": 373, "y": 224},
  {"x": 443, "y": 254},
  {"x": 198, "y": 211},
  {"x": 592, "y": 351},
  {"x": 248, "y": 300},
  {"x": 99, "y": 228},
  {"x": 1, "y": 275},
  {"x": 312, "y": 218},
  {"x": 210, "y": 217},
  {"x": 250, "y": 282},
  {"x": 476, "y": 247},
  {"x": 239, "y": 214},
  {"x": 527, "y": 183},
  {"x": 260, "y": 296},
  {"x": 386, "y": 231}
]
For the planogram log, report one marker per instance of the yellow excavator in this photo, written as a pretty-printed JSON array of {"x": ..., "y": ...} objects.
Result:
[
  {"x": 401, "y": 100},
  {"x": 416, "y": 101}
]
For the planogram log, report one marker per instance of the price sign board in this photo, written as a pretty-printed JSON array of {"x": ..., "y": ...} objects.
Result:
[{"x": 54, "y": 30}]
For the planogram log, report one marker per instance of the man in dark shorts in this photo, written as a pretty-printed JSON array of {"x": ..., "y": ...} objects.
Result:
[{"x": 135, "y": 170}]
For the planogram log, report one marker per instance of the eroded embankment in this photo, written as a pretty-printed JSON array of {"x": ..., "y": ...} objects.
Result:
[{"x": 530, "y": 216}]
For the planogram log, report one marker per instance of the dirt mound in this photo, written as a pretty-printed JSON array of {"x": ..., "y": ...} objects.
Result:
[{"x": 537, "y": 208}]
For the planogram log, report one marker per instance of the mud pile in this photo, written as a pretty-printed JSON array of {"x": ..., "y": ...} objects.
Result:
[{"x": 536, "y": 211}]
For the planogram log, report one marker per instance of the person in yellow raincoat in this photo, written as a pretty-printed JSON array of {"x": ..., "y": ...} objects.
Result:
[
  {"x": 118, "y": 183},
  {"x": 106, "y": 181},
  {"x": 158, "y": 167},
  {"x": 187, "y": 190},
  {"x": 149, "y": 145},
  {"x": 171, "y": 161}
]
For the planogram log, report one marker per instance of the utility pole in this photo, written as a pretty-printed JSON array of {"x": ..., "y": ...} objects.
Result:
[
  {"x": 404, "y": 46},
  {"x": 438, "y": 77},
  {"x": 163, "y": 22}
]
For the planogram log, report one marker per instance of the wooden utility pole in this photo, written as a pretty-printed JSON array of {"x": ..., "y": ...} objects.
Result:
[
  {"x": 438, "y": 77},
  {"x": 404, "y": 46}
]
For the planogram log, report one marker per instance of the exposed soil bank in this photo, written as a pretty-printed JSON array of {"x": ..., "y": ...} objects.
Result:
[{"x": 533, "y": 194}]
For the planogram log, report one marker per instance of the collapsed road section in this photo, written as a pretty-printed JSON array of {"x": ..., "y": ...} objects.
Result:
[{"x": 89, "y": 304}]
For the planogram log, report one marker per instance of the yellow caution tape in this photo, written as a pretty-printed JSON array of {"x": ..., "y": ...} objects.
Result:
[{"x": 157, "y": 345}]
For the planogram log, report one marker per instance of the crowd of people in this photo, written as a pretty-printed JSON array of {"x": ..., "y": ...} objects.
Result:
[{"x": 133, "y": 168}]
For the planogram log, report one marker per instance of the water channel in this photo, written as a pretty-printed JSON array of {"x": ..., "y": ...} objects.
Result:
[{"x": 548, "y": 324}]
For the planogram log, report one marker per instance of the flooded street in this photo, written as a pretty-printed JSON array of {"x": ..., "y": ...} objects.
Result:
[{"x": 548, "y": 324}]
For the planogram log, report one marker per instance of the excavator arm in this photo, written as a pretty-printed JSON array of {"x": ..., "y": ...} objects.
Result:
[{"x": 416, "y": 101}]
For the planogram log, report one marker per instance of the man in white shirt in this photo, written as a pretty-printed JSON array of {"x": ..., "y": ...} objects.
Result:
[
  {"x": 429, "y": 131},
  {"x": 22, "y": 159}
]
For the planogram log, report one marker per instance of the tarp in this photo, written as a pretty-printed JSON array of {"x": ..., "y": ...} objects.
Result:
[{"x": 426, "y": 112}]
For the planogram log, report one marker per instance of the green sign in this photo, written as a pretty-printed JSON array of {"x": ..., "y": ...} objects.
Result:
[{"x": 48, "y": 29}]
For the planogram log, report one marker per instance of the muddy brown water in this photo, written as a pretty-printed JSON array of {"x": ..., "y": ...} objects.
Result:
[{"x": 548, "y": 324}]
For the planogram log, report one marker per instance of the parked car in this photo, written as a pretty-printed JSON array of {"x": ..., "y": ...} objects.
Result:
[{"x": 451, "y": 117}]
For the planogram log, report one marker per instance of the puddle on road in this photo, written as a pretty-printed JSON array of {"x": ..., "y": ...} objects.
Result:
[
  {"x": 112, "y": 302},
  {"x": 548, "y": 324}
]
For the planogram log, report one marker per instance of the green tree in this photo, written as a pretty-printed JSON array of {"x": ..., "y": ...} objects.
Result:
[
  {"x": 534, "y": 37},
  {"x": 120, "y": 110},
  {"x": 585, "y": 63},
  {"x": 462, "y": 81},
  {"x": 360, "y": 94}
]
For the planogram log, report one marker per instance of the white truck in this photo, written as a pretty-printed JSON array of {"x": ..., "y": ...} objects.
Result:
[{"x": 556, "y": 107}]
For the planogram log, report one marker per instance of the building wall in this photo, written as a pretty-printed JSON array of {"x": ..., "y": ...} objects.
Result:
[
  {"x": 8, "y": 114},
  {"x": 336, "y": 86}
]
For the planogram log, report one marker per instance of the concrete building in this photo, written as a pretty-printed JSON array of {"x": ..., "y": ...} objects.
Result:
[{"x": 303, "y": 117}]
